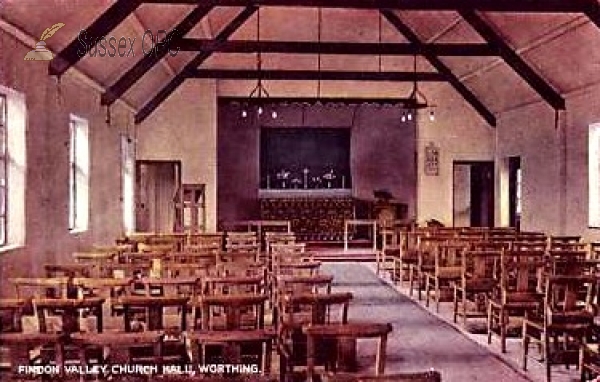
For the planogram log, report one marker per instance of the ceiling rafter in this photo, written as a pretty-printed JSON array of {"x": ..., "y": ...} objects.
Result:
[
  {"x": 176, "y": 81},
  {"x": 593, "y": 12},
  {"x": 352, "y": 48},
  {"x": 105, "y": 23},
  {"x": 326, "y": 75},
  {"x": 539, "y": 84},
  {"x": 143, "y": 66},
  {"x": 442, "y": 68},
  {"x": 539, "y": 6}
]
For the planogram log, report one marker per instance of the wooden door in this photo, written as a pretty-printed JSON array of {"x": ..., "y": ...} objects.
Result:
[{"x": 156, "y": 185}]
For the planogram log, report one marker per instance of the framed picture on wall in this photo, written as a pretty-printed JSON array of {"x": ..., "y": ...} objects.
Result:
[{"x": 432, "y": 159}]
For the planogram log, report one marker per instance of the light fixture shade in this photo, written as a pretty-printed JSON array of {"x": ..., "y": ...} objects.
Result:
[{"x": 431, "y": 115}]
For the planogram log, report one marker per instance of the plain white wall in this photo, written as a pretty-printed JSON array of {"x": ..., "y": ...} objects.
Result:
[{"x": 184, "y": 128}]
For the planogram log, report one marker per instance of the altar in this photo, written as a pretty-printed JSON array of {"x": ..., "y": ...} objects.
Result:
[{"x": 315, "y": 214}]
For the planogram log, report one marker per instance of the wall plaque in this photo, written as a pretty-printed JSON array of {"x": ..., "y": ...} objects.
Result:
[{"x": 432, "y": 160}]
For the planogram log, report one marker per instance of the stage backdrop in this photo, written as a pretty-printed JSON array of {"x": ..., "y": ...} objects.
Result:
[{"x": 382, "y": 152}]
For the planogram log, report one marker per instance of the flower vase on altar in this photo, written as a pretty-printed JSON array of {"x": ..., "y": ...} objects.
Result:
[{"x": 329, "y": 177}]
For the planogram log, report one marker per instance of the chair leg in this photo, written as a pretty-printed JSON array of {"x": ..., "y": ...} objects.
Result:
[
  {"x": 437, "y": 295},
  {"x": 464, "y": 307},
  {"x": 503, "y": 327},
  {"x": 455, "y": 304},
  {"x": 489, "y": 324},
  {"x": 410, "y": 280},
  {"x": 427, "y": 284},
  {"x": 547, "y": 357},
  {"x": 525, "y": 346}
]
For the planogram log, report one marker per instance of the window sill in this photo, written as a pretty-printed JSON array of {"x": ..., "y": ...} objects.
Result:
[
  {"x": 10, "y": 247},
  {"x": 77, "y": 231}
]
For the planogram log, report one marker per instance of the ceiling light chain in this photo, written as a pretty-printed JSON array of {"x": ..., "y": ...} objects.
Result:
[
  {"x": 319, "y": 24},
  {"x": 259, "y": 93},
  {"x": 416, "y": 100}
]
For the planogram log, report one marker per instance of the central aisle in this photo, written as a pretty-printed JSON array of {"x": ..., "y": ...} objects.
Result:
[{"x": 419, "y": 341}]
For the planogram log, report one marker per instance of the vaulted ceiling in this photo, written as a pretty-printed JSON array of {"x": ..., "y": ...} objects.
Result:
[{"x": 518, "y": 51}]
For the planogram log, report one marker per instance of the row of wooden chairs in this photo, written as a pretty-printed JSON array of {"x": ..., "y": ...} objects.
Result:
[
  {"x": 225, "y": 314},
  {"x": 546, "y": 287}
]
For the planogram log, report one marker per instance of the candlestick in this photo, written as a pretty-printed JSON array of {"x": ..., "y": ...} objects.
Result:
[
  {"x": 268, "y": 182},
  {"x": 343, "y": 181}
]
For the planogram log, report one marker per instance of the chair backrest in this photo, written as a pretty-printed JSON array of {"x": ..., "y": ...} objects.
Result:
[
  {"x": 231, "y": 312},
  {"x": 154, "y": 308},
  {"x": 570, "y": 300},
  {"x": 38, "y": 287},
  {"x": 205, "y": 239},
  {"x": 521, "y": 271},
  {"x": 449, "y": 254},
  {"x": 347, "y": 331},
  {"x": 313, "y": 308},
  {"x": 427, "y": 248},
  {"x": 424, "y": 376},
  {"x": 594, "y": 250},
  {"x": 480, "y": 265},
  {"x": 234, "y": 284}
]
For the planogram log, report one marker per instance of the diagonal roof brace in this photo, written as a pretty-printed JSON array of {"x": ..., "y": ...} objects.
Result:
[
  {"x": 126, "y": 81},
  {"x": 537, "y": 6},
  {"x": 547, "y": 92},
  {"x": 108, "y": 21},
  {"x": 167, "y": 90},
  {"x": 441, "y": 67}
]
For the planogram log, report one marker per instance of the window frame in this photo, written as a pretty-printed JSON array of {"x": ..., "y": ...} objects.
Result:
[
  {"x": 4, "y": 157},
  {"x": 594, "y": 176},
  {"x": 79, "y": 177}
]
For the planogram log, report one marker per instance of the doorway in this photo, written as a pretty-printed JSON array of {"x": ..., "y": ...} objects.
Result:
[
  {"x": 514, "y": 191},
  {"x": 473, "y": 194},
  {"x": 156, "y": 183}
]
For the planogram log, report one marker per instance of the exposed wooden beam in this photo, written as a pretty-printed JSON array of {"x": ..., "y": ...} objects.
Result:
[
  {"x": 407, "y": 102},
  {"x": 593, "y": 12},
  {"x": 552, "y": 6},
  {"x": 327, "y": 75},
  {"x": 108, "y": 21},
  {"x": 126, "y": 81},
  {"x": 526, "y": 72},
  {"x": 442, "y": 68},
  {"x": 350, "y": 48},
  {"x": 166, "y": 91}
]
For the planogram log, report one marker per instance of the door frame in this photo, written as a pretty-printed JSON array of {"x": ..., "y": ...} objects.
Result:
[
  {"x": 491, "y": 207},
  {"x": 140, "y": 162}
]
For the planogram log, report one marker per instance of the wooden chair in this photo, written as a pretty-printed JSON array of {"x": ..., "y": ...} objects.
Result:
[
  {"x": 20, "y": 345},
  {"x": 153, "y": 308},
  {"x": 589, "y": 364},
  {"x": 519, "y": 291},
  {"x": 565, "y": 322},
  {"x": 426, "y": 249},
  {"x": 11, "y": 312},
  {"x": 425, "y": 376},
  {"x": 54, "y": 287},
  {"x": 406, "y": 261},
  {"x": 208, "y": 239},
  {"x": 565, "y": 242},
  {"x": 236, "y": 323},
  {"x": 594, "y": 250},
  {"x": 479, "y": 278},
  {"x": 345, "y": 331},
  {"x": 447, "y": 270},
  {"x": 70, "y": 310},
  {"x": 297, "y": 310}
]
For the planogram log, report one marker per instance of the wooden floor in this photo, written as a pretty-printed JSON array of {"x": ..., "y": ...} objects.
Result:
[{"x": 422, "y": 340}]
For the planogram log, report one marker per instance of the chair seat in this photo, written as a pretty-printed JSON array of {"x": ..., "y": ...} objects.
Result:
[
  {"x": 523, "y": 300},
  {"x": 451, "y": 273},
  {"x": 480, "y": 285}
]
